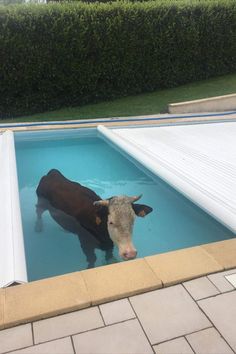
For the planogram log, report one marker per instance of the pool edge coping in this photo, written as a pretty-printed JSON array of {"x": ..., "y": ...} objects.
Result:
[
  {"x": 58, "y": 295},
  {"x": 39, "y": 299}
]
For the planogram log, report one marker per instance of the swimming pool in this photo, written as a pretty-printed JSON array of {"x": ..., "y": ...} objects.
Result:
[{"x": 82, "y": 156}]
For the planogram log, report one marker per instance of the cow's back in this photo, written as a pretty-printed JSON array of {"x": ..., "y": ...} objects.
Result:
[
  {"x": 68, "y": 196},
  {"x": 77, "y": 201}
]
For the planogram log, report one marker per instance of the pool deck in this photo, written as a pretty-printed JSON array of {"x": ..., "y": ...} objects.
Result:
[
  {"x": 197, "y": 316},
  {"x": 177, "y": 302}
]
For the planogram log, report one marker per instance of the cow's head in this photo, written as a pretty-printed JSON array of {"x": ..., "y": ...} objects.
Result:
[{"x": 120, "y": 221}]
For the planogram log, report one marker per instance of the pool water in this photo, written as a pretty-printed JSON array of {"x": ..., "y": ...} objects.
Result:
[{"x": 174, "y": 223}]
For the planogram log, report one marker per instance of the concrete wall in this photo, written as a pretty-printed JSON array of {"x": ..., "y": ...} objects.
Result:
[{"x": 213, "y": 104}]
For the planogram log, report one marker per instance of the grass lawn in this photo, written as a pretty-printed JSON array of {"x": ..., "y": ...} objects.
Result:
[{"x": 143, "y": 104}]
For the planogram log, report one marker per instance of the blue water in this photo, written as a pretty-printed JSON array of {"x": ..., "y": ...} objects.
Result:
[{"x": 174, "y": 223}]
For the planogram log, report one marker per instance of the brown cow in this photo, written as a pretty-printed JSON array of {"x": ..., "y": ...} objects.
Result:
[{"x": 98, "y": 223}]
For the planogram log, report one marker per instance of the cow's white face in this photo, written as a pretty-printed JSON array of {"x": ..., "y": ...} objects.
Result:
[{"x": 120, "y": 223}]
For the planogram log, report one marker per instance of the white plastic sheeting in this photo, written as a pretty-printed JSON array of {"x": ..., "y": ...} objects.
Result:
[
  {"x": 12, "y": 254},
  {"x": 198, "y": 160}
]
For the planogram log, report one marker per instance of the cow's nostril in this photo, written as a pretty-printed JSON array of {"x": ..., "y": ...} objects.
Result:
[{"x": 130, "y": 255}]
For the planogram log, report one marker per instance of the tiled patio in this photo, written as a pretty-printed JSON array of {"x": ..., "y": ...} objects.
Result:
[{"x": 197, "y": 316}]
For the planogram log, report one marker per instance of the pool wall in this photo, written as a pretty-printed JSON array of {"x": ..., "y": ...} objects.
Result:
[{"x": 12, "y": 254}]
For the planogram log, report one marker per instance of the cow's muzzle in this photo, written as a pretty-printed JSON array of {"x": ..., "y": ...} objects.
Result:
[{"x": 131, "y": 254}]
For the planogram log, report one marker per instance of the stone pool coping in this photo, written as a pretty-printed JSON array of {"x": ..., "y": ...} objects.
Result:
[
  {"x": 57, "y": 295},
  {"x": 61, "y": 294}
]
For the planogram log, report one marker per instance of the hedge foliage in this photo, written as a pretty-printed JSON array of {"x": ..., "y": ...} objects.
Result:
[{"x": 59, "y": 55}]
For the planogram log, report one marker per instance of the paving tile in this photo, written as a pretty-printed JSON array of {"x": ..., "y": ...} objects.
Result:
[
  {"x": 117, "y": 311},
  {"x": 223, "y": 252},
  {"x": 45, "y": 298},
  {"x": 208, "y": 341},
  {"x": 201, "y": 288},
  {"x": 126, "y": 337},
  {"x": 192, "y": 262},
  {"x": 221, "y": 282},
  {"x": 232, "y": 279},
  {"x": 65, "y": 325},
  {"x": 221, "y": 310},
  {"x": 15, "y": 338},
  {"x": 175, "y": 346},
  {"x": 168, "y": 313},
  {"x": 60, "y": 346},
  {"x": 2, "y": 300},
  {"x": 115, "y": 281}
]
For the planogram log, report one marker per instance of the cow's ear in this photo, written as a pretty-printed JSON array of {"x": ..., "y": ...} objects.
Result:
[{"x": 141, "y": 209}]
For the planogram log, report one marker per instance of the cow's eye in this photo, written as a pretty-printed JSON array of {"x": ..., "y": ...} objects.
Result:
[{"x": 110, "y": 223}]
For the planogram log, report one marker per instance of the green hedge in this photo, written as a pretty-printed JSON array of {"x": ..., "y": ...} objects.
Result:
[{"x": 70, "y": 54}]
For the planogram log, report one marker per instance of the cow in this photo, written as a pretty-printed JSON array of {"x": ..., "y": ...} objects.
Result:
[{"x": 99, "y": 223}]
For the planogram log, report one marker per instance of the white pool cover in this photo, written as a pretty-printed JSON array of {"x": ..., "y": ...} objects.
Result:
[
  {"x": 198, "y": 160},
  {"x": 12, "y": 255}
]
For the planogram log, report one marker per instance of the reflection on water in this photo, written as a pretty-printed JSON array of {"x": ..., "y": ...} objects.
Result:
[{"x": 174, "y": 223}]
